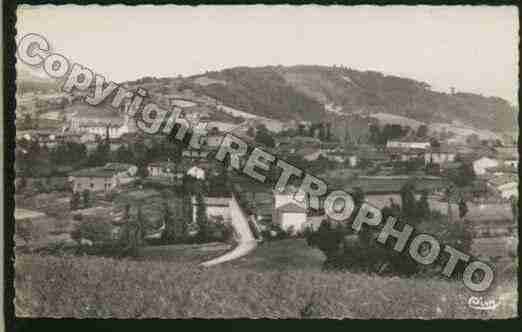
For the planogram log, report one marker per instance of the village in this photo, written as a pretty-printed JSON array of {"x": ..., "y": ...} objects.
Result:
[
  {"x": 92, "y": 162},
  {"x": 261, "y": 162}
]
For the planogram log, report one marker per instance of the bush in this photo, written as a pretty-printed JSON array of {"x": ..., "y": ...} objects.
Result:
[
  {"x": 276, "y": 232},
  {"x": 95, "y": 230},
  {"x": 221, "y": 231},
  {"x": 361, "y": 252}
]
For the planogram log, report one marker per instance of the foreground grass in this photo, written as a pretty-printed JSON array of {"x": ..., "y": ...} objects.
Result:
[
  {"x": 103, "y": 287},
  {"x": 290, "y": 254}
]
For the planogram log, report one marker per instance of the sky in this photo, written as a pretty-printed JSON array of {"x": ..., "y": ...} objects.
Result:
[{"x": 472, "y": 48}]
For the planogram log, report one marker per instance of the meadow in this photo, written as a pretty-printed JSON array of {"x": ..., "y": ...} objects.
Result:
[{"x": 281, "y": 279}]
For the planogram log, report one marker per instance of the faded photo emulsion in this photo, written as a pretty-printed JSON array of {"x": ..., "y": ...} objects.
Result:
[{"x": 266, "y": 162}]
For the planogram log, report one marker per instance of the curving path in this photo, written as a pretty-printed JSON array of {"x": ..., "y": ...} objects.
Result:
[{"x": 246, "y": 242}]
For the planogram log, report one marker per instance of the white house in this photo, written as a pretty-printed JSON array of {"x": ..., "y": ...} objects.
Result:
[
  {"x": 508, "y": 190},
  {"x": 290, "y": 208},
  {"x": 104, "y": 178},
  {"x": 162, "y": 169},
  {"x": 408, "y": 145},
  {"x": 290, "y": 195},
  {"x": 290, "y": 215},
  {"x": 439, "y": 156},
  {"x": 353, "y": 160},
  {"x": 216, "y": 207},
  {"x": 511, "y": 163},
  {"x": 196, "y": 172},
  {"x": 481, "y": 165}
]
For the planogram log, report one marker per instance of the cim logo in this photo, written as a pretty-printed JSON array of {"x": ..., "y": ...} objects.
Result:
[{"x": 479, "y": 303}]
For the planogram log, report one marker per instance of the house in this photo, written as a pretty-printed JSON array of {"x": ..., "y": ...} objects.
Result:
[
  {"x": 290, "y": 216},
  {"x": 282, "y": 196},
  {"x": 508, "y": 190},
  {"x": 196, "y": 172},
  {"x": 505, "y": 185},
  {"x": 88, "y": 137},
  {"x": 508, "y": 155},
  {"x": 213, "y": 141},
  {"x": 99, "y": 120},
  {"x": 289, "y": 208},
  {"x": 334, "y": 155},
  {"x": 163, "y": 169},
  {"x": 481, "y": 165},
  {"x": 405, "y": 154},
  {"x": 29, "y": 215},
  {"x": 373, "y": 156},
  {"x": 404, "y": 144},
  {"x": 200, "y": 154},
  {"x": 221, "y": 126},
  {"x": 105, "y": 178},
  {"x": 440, "y": 156},
  {"x": 353, "y": 160},
  {"x": 217, "y": 207},
  {"x": 309, "y": 153}
]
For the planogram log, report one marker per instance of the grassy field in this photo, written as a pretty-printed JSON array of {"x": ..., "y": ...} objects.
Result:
[{"x": 280, "y": 279}]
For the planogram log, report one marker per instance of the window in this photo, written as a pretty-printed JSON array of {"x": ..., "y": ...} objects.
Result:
[{"x": 92, "y": 185}]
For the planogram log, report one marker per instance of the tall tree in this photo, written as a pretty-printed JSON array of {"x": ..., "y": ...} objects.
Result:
[
  {"x": 409, "y": 204},
  {"x": 264, "y": 137},
  {"x": 201, "y": 217},
  {"x": 423, "y": 206},
  {"x": 422, "y": 131},
  {"x": 463, "y": 208},
  {"x": 75, "y": 201},
  {"x": 86, "y": 198}
]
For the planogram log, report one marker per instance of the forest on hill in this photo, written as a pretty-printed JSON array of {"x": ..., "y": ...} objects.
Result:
[{"x": 300, "y": 92}]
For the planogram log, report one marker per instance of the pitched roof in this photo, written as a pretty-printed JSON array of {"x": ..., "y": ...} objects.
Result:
[
  {"x": 20, "y": 214},
  {"x": 106, "y": 171},
  {"x": 163, "y": 164},
  {"x": 291, "y": 207}
]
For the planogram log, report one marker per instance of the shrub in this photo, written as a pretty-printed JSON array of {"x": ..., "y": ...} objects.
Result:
[
  {"x": 96, "y": 230},
  {"x": 221, "y": 231},
  {"x": 361, "y": 252},
  {"x": 276, "y": 232}
]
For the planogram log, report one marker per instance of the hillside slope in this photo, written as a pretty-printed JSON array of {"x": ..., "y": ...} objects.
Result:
[{"x": 302, "y": 92}]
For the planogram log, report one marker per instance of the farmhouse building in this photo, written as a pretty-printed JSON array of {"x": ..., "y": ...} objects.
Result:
[
  {"x": 105, "y": 178},
  {"x": 408, "y": 144},
  {"x": 440, "y": 156},
  {"x": 163, "y": 169},
  {"x": 217, "y": 207},
  {"x": 290, "y": 216}
]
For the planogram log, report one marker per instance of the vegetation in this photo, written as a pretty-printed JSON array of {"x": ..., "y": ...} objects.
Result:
[
  {"x": 279, "y": 281},
  {"x": 359, "y": 251},
  {"x": 299, "y": 92},
  {"x": 95, "y": 230},
  {"x": 261, "y": 91}
]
